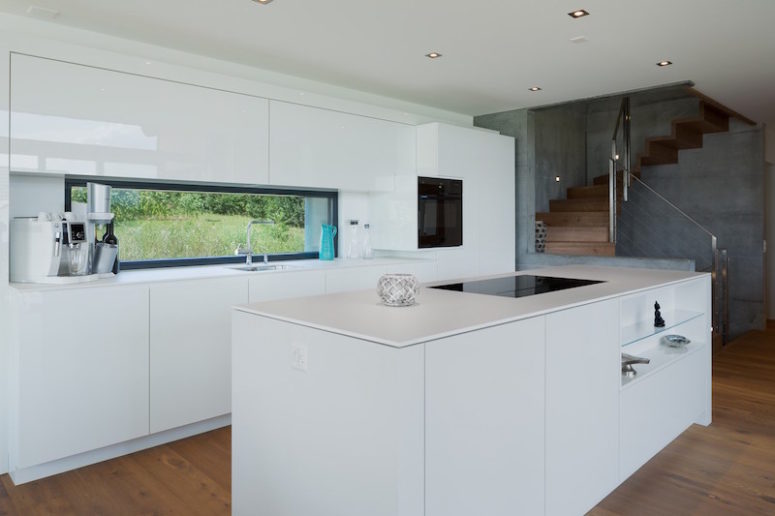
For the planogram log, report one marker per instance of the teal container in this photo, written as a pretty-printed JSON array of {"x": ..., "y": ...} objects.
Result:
[{"x": 327, "y": 234}]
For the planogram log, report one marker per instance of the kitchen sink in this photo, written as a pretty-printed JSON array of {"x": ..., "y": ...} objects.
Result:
[{"x": 260, "y": 267}]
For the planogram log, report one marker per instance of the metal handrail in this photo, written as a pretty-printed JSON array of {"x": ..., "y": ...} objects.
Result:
[
  {"x": 623, "y": 120},
  {"x": 720, "y": 269}
]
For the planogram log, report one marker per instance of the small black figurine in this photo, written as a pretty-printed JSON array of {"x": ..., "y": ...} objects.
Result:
[{"x": 658, "y": 321}]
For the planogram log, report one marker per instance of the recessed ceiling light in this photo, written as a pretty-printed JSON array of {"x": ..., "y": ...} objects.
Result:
[
  {"x": 535, "y": 88},
  {"x": 262, "y": 1},
  {"x": 578, "y": 13},
  {"x": 433, "y": 55},
  {"x": 664, "y": 63}
]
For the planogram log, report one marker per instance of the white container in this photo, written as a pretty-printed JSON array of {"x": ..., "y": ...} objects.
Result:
[
  {"x": 32, "y": 248},
  {"x": 354, "y": 249}
]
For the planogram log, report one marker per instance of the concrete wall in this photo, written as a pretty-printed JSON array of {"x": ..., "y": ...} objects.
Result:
[
  {"x": 721, "y": 186},
  {"x": 560, "y": 151}
]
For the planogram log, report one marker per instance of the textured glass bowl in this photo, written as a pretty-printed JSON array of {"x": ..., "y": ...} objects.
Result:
[{"x": 397, "y": 289}]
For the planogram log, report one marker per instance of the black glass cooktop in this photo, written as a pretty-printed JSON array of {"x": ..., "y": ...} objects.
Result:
[{"x": 517, "y": 286}]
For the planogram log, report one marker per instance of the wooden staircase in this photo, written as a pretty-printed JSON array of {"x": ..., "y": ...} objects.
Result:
[{"x": 578, "y": 225}]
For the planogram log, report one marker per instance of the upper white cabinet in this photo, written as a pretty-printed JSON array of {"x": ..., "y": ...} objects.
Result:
[
  {"x": 320, "y": 148},
  {"x": 79, "y": 120},
  {"x": 455, "y": 151},
  {"x": 191, "y": 349},
  {"x": 82, "y": 371}
]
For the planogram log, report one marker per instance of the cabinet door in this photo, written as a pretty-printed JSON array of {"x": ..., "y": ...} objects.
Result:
[
  {"x": 265, "y": 287},
  {"x": 83, "y": 371},
  {"x": 484, "y": 422},
  {"x": 312, "y": 147},
  {"x": 582, "y": 406},
  {"x": 75, "y": 119},
  {"x": 191, "y": 350}
]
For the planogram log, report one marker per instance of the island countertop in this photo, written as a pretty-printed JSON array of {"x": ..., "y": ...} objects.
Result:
[{"x": 441, "y": 313}]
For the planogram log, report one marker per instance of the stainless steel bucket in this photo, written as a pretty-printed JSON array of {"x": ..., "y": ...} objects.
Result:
[{"x": 104, "y": 256}]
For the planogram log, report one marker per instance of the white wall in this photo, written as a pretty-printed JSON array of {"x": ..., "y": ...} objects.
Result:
[{"x": 34, "y": 37}]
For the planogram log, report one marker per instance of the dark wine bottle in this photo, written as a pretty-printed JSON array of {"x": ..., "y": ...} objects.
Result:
[{"x": 110, "y": 238}]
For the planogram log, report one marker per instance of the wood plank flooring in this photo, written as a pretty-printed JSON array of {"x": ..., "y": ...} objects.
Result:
[{"x": 725, "y": 469}]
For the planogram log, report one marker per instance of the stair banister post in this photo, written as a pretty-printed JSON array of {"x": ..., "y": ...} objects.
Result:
[
  {"x": 612, "y": 194},
  {"x": 627, "y": 143}
]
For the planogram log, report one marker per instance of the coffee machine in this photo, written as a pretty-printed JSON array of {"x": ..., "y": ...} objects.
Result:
[{"x": 63, "y": 248}]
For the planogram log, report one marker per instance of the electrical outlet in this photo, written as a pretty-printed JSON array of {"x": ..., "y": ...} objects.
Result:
[{"x": 299, "y": 357}]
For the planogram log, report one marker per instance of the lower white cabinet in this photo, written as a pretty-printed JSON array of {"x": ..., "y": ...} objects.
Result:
[
  {"x": 482, "y": 389},
  {"x": 655, "y": 410},
  {"x": 82, "y": 371},
  {"x": 582, "y": 407},
  {"x": 190, "y": 360},
  {"x": 265, "y": 287}
]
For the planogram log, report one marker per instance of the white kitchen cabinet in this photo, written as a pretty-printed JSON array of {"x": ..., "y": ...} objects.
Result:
[
  {"x": 484, "y": 424},
  {"x": 340, "y": 434},
  {"x": 657, "y": 408},
  {"x": 265, "y": 287},
  {"x": 453, "y": 151},
  {"x": 78, "y": 120},
  {"x": 190, "y": 360},
  {"x": 582, "y": 407},
  {"x": 314, "y": 147},
  {"x": 82, "y": 371}
]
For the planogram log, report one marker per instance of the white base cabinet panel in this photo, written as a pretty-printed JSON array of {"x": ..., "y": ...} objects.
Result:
[
  {"x": 484, "y": 432},
  {"x": 657, "y": 409},
  {"x": 82, "y": 372},
  {"x": 582, "y": 407},
  {"x": 340, "y": 436},
  {"x": 190, "y": 357},
  {"x": 287, "y": 284}
]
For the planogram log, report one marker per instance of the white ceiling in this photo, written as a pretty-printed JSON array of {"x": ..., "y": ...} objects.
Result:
[{"x": 493, "y": 50}]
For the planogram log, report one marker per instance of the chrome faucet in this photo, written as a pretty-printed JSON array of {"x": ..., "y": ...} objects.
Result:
[{"x": 249, "y": 259}]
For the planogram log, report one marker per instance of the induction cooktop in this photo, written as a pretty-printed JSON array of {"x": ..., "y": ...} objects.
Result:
[{"x": 517, "y": 286}]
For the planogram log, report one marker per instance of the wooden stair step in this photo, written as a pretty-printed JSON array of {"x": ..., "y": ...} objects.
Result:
[
  {"x": 581, "y": 248},
  {"x": 591, "y": 192},
  {"x": 659, "y": 154},
  {"x": 579, "y": 205},
  {"x": 577, "y": 233},
  {"x": 682, "y": 137},
  {"x": 710, "y": 120},
  {"x": 574, "y": 218}
]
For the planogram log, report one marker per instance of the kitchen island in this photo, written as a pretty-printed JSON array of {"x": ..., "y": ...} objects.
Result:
[{"x": 463, "y": 403}]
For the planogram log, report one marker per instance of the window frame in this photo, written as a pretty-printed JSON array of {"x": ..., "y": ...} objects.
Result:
[{"x": 331, "y": 195}]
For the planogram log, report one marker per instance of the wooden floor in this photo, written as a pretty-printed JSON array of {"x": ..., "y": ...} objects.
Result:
[{"x": 725, "y": 469}]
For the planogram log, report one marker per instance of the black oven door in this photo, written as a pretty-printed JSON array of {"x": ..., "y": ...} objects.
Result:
[{"x": 439, "y": 212}]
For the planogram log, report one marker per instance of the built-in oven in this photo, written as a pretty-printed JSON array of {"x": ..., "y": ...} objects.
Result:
[{"x": 439, "y": 212}]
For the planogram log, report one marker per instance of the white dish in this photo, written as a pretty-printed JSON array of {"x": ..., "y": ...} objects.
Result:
[{"x": 675, "y": 341}]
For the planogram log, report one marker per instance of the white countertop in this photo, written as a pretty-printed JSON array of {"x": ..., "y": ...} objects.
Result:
[
  {"x": 441, "y": 313},
  {"x": 170, "y": 274}
]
